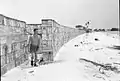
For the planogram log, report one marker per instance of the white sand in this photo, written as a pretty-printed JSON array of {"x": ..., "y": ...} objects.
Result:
[{"x": 69, "y": 68}]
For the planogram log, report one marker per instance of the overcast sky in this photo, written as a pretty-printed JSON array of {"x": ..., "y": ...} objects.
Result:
[{"x": 101, "y": 13}]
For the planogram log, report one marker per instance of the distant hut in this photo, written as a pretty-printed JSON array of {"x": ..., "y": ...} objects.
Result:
[{"x": 80, "y": 27}]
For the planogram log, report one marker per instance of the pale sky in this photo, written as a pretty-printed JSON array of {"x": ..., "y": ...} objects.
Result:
[{"x": 101, "y": 13}]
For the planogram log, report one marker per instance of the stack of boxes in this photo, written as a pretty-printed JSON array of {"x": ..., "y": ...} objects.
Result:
[
  {"x": 54, "y": 36},
  {"x": 47, "y": 35},
  {"x": 47, "y": 39},
  {"x": 59, "y": 35}
]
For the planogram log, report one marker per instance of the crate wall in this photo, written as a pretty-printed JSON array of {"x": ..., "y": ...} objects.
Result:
[
  {"x": 60, "y": 34},
  {"x": 54, "y": 36},
  {"x": 9, "y": 55}
]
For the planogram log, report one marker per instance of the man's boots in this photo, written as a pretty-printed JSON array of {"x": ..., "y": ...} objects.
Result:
[
  {"x": 31, "y": 63},
  {"x": 35, "y": 64}
]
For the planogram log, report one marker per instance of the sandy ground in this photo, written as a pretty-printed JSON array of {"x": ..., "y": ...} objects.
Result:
[{"x": 88, "y": 57}]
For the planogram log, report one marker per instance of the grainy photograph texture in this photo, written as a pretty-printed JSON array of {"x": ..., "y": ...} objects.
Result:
[{"x": 59, "y": 40}]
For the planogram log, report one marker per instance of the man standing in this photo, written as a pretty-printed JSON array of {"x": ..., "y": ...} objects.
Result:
[{"x": 33, "y": 43}]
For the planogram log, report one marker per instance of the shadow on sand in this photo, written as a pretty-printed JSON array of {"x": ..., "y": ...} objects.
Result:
[{"x": 115, "y": 47}]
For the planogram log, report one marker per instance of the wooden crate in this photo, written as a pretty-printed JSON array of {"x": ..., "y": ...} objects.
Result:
[{"x": 48, "y": 56}]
